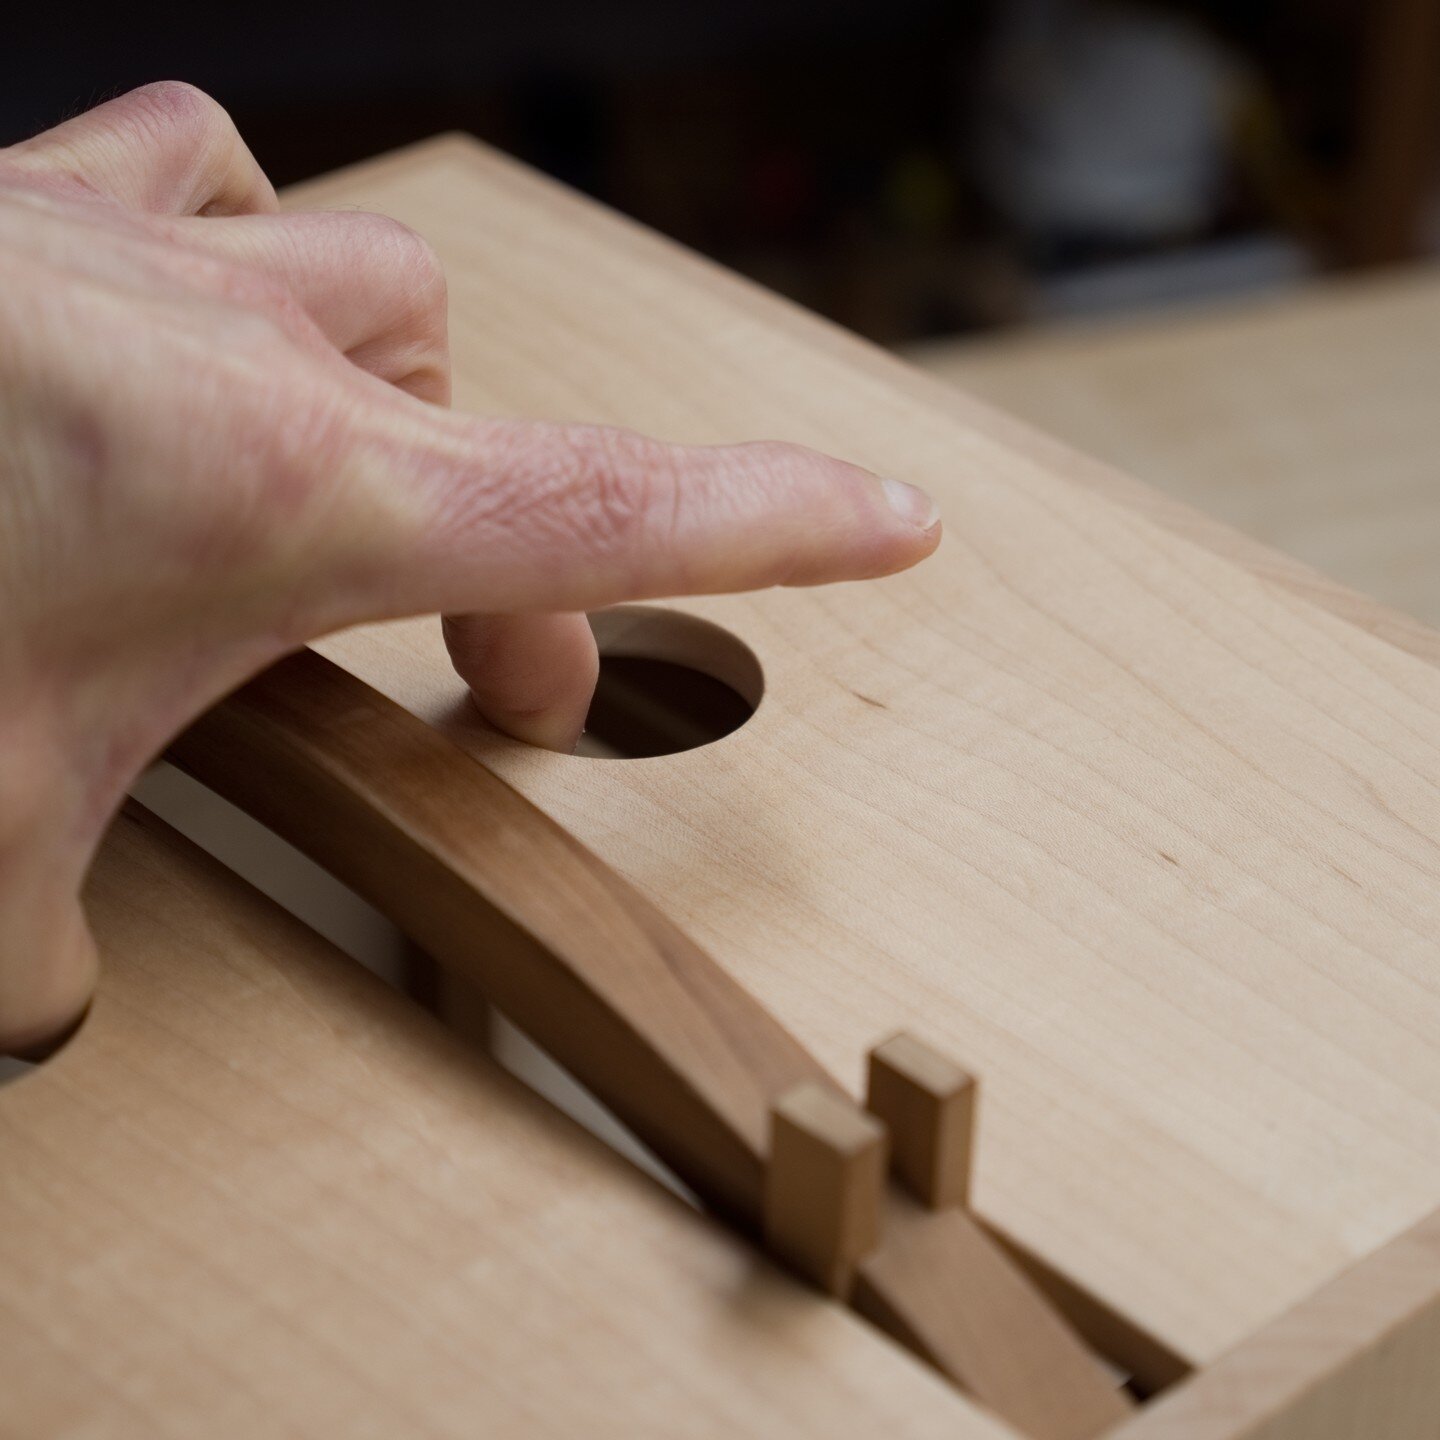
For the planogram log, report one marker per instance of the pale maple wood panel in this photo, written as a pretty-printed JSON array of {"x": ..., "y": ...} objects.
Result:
[
  {"x": 1358, "y": 1359},
  {"x": 1140, "y": 837},
  {"x": 1310, "y": 421},
  {"x": 260, "y": 1194}
]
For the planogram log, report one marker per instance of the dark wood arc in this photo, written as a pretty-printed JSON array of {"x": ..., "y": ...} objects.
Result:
[{"x": 620, "y": 996}]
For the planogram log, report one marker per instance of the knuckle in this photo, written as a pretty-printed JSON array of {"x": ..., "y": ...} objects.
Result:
[
  {"x": 179, "y": 105},
  {"x": 388, "y": 242},
  {"x": 403, "y": 279},
  {"x": 174, "y": 117},
  {"x": 784, "y": 480},
  {"x": 413, "y": 252},
  {"x": 413, "y": 260},
  {"x": 407, "y": 342},
  {"x": 572, "y": 493}
]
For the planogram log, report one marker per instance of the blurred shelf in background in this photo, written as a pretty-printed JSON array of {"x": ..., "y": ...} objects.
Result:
[{"x": 908, "y": 167}]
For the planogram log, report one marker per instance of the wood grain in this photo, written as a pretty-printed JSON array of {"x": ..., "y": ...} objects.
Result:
[
  {"x": 824, "y": 1185},
  {"x": 662, "y": 1035},
  {"x": 1356, "y": 1361},
  {"x": 928, "y": 1107},
  {"x": 1147, "y": 836},
  {"x": 261, "y": 1195}
]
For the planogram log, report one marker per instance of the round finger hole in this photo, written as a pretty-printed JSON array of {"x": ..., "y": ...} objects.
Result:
[{"x": 668, "y": 682}]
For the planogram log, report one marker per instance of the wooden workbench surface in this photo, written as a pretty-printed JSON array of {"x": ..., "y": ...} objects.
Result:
[
  {"x": 1309, "y": 420},
  {"x": 1140, "y": 834}
]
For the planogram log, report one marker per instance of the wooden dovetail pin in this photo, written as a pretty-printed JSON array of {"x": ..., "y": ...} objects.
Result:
[
  {"x": 927, "y": 1103},
  {"x": 824, "y": 1185}
]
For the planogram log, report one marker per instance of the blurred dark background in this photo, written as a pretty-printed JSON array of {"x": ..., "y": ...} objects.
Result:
[{"x": 909, "y": 167}]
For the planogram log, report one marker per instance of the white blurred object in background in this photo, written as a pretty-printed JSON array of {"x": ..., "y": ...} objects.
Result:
[{"x": 1105, "y": 121}]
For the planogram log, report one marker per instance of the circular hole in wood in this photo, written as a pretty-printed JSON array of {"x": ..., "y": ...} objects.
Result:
[{"x": 668, "y": 682}]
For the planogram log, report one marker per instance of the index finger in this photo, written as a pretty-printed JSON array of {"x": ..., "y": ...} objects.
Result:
[{"x": 507, "y": 516}]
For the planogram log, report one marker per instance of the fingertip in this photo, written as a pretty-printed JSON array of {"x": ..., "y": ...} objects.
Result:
[
  {"x": 531, "y": 676},
  {"x": 883, "y": 527},
  {"x": 906, "y": 528},
  {"x": 554, "y": 729},
  {"x": 841, "y": 520},
  {"x": 894, "y": 551},
  {"x": 918, "y": 547},
  {"x": 912, "y": 504}
]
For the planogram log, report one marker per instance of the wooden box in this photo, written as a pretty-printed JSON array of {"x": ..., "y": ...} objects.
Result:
[{"x": 1131, "y": 817}]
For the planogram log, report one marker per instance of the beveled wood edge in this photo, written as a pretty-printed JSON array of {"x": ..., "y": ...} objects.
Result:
[
  {"x": 1358, "y": 1359},
  {"x": 1272, "y": 566}
]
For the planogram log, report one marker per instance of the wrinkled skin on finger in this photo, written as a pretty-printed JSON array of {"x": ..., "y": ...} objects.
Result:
[{"x": 223, "y": 433}]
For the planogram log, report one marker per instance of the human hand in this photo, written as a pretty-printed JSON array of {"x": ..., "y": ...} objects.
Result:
[{"x": 223, "y": 434}]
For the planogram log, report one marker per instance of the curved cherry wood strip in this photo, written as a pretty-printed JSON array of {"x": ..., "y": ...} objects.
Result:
[{"x": 491, "y": 886}]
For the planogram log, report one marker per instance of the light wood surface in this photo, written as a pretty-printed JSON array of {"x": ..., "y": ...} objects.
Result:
[
  {"x": 1360, "y": 1360},
  {"x": 262, "y": 1195},
  {"x": 633, "y": 1009},
  {"x": 1144, "y": 835},
  {"x": 1311, "y": 421}
]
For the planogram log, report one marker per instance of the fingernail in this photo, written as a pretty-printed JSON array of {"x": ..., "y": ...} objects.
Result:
[{"x": 910, "y": 504}]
